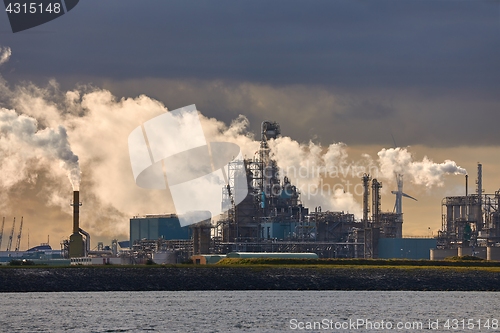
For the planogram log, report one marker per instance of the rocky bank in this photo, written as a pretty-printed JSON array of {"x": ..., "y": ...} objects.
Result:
[{"x": 243, "y": 278}]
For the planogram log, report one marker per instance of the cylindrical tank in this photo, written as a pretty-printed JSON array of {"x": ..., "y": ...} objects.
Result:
[{"x": 493, "y": 253}]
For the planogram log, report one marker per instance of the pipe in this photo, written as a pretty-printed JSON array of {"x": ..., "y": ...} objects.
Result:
[
  {"x": 87, "y": 239},
  {"x": 76, "y": 211}
]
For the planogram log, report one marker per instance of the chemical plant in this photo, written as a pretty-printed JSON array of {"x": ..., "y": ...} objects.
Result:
[
  {"x": 271, "y": 219},
  {"x": 471, "y": 223}
]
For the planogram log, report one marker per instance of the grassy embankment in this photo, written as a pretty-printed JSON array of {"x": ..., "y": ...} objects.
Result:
[
  {"x": 454, "y": 263},
  {"x": 451, "y": 263}
]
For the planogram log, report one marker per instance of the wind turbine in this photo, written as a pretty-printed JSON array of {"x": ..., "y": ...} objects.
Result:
[{"x": 398, "y": 206}]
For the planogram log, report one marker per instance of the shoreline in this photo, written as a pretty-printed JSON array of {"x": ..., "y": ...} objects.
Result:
[{"x": 174, "y": 278}]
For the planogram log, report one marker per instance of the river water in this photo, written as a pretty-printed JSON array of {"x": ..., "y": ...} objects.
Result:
[{"x": 250, "y": 311}]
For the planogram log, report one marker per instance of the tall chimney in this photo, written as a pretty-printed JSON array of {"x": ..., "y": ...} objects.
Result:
[
  {"x": 466, "y": 185},
  {"x": 76, "y": 212}
]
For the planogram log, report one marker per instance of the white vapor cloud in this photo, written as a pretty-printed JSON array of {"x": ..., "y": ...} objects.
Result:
[
  {"x": 5, "y": 53},
  {"x": 425, "y": 172},
  {"x": 21, "y": 135}
]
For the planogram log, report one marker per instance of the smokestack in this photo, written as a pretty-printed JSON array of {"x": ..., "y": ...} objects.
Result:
[
  {"x": 466, "y": 185},
  {"x": 76, "y": 247},
  {"x": 76, "y": 212},
  {"x": 366, "y": 192}
]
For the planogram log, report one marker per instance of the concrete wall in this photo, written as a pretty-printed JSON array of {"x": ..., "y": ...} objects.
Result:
[
  {"x": 479, "y": 252},
  {"x": 440, "y": 254}
]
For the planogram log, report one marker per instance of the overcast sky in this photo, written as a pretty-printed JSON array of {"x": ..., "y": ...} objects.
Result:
[{"x": 427, "y": 71}]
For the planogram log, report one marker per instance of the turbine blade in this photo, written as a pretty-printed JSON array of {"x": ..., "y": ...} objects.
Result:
[{"x": 406, "y": 195}]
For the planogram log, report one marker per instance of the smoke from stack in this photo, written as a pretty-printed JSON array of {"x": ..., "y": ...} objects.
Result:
[
  {"x": 22, "y": 131},
  {"x": 427, "y": 173}
]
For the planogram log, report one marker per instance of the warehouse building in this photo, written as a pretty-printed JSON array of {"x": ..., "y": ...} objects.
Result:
[{"x": 153, "y": 227}]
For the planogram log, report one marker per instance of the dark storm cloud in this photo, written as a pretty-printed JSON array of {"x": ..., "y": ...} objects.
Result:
[
  {"x": 353, "y": 71},
  {"x": 342, "y": 43}
]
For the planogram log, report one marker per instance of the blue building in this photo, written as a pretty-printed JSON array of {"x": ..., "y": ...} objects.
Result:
[
  {"x": 152, "y": 227},
  {"x": 405, "y": 248}
]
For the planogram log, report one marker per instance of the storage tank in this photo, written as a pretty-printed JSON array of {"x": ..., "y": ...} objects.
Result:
[{"x": 493, "y": 253}]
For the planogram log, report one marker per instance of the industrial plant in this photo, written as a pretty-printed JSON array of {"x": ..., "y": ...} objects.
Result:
[
  {"x": 272, "y": 219},
  {"x": 471, "y": 223}
]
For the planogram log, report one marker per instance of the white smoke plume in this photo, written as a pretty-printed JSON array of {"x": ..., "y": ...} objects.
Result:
[
  {"x": 41, "y": 125},
  {"x": 427, "y": 173},
  {"x": 21, "y": 131},
  {"x": 327, "y": 178},
  {"x": 236, "y": 132},
  {"x": 5, "y": 53},
  {"x": 321, "y": 175}
]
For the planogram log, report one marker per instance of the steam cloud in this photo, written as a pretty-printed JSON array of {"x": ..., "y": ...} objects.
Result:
[
  {"x": 22, "y": 131},
  {"x": 5, "y": 53},
  {"x": 425, "y": 172}
]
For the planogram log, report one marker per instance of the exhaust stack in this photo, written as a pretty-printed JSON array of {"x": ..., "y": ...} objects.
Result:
[
  {"x": 76, "y": 212},
  {"x": 76, "y": 246},
  {"x": 466, "y": 185}
]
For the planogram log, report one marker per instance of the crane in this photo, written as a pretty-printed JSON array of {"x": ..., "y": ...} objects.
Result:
[
  {"x": 1, "y": 232},
  {"x": 9, "y": 244},
  {"x": 18, "y": 242}
]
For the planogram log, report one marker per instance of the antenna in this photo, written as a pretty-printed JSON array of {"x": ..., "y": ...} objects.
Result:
[
  {"x": 9, "y": 244},
  {"x": 1, "y": 232},
  {"x": 18, "y": 242},
  {"x": 394, "y": 141}
]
